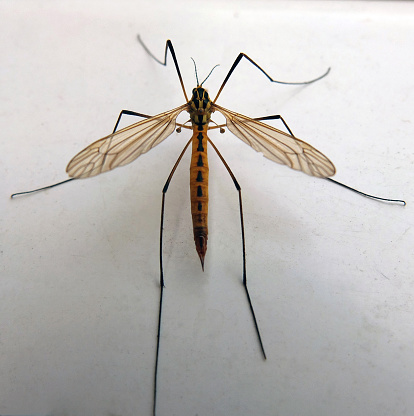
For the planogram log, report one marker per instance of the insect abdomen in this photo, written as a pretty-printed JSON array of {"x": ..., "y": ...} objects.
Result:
[{"x": 199, "y": 191}]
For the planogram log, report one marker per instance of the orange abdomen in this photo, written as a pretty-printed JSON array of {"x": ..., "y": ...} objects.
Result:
[{"x": 199, "y": 191}]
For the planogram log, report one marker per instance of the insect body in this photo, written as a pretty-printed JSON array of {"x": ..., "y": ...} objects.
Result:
[
  {"x": 200, "y": 108},
  {"x": 123, "y": 146}
]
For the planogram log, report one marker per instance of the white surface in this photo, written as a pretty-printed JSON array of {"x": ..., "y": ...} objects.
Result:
[{"x": 331, "y": 273}]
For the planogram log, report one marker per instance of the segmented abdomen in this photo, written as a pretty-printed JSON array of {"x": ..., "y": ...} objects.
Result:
[{"x": 199, "y": 191}]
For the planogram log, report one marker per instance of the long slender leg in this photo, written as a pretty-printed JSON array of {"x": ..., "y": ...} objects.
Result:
[
  {"x": 164, "y": 191},
  {"x": 243, "y": 245},
  {"x": 243, "y": 55},
  {"x": 41, "y": 189},
  {"x": 399, "y": 201},
  {"x": 128, "y": 113},
  {"x": 272, "y": 117},
  {"x": 279, "y": 117},
  {"x": 168, "y": 45},
  {"x": 123, "y": 112},
  {"x": 276, "y": 117}
]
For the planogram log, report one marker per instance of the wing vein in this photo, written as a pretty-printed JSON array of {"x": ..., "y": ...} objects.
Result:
[
  {"x": 277, "y": 145},
  {"x": 123, "y": 146}
]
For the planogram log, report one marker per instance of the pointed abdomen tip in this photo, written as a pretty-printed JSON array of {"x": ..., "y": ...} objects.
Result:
[{"x": 201, "y": 247}]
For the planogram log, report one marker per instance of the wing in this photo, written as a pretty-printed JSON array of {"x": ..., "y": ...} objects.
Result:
[
  {"x": 123, "y": 146},
  {"x": 277, "y": 145}
]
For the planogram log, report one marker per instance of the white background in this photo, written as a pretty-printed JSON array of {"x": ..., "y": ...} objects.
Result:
[{"x": 330, "y": 272}]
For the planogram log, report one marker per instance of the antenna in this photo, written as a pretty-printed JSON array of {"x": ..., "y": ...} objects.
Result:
[{"x": 195, "y": 69}]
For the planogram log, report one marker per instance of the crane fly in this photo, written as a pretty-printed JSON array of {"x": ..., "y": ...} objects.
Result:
[{"x": 123, "y": 146}]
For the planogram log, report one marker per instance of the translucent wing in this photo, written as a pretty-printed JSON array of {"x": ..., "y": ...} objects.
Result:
[
  {"x": 277, "y": 145},
  {"x": 123, "y": 146}
]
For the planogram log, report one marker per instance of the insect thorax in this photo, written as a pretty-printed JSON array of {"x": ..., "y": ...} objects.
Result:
[{"x": 200, "y": 108}]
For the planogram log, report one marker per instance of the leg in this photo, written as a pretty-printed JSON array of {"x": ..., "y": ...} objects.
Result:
[
  {"x": 243, "y": 55},
  {"x": 398, "y": 201},
  {"x": 168, "y": 45},
  {"x": 243, "y": 246},
  {"x": 274, "y": 117},
  {"x": 278, "y": 117},
  {"x": 41, "y": 189},
  {"x": 164, "y": 191},
  {"x": 126, "y": 112}
]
